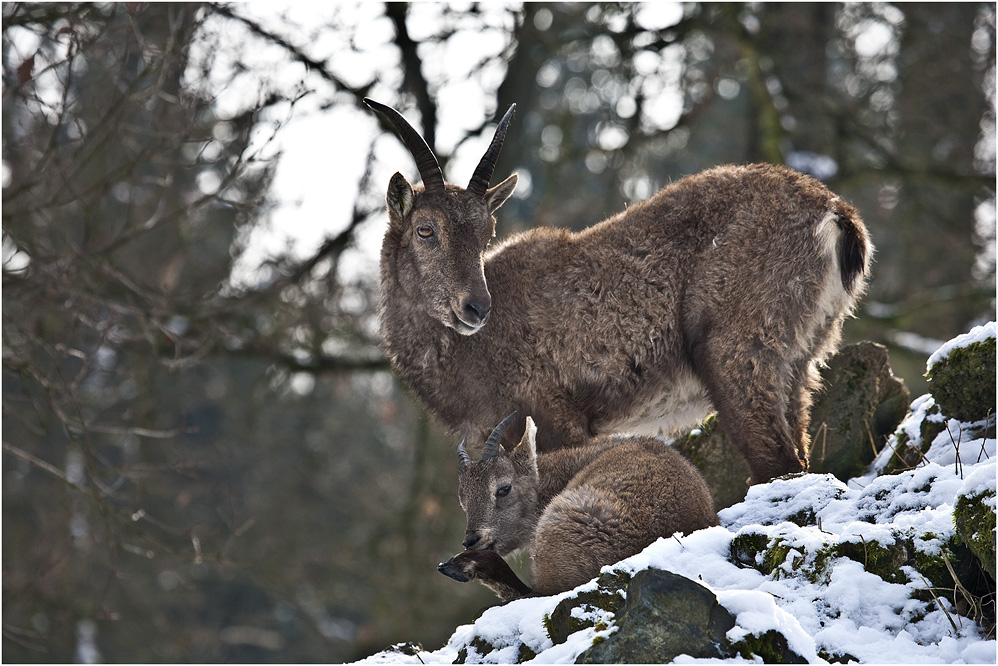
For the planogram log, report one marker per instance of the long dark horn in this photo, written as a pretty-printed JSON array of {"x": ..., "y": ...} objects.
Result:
[
  {"x": 426, "y": 162},
  {"x": 483, "y": 174},
  {"x": 463, "y": 459},
  {"x": 493, "y": 443}
]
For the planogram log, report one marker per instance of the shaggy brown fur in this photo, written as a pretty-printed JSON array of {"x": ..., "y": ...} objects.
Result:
[
  {"x": 721, "y": 292},
  {"x": 576, "y": 510}
]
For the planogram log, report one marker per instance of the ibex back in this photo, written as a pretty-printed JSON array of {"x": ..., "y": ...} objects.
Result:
[
  {"x": 721, "y": 292},
  {"x": 576, "y": 510}
]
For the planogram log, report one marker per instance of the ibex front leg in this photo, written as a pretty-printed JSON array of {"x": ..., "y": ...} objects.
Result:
[{"x": 487, "y": 567}]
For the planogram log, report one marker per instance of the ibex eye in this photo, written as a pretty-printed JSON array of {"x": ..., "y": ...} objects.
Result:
[
  {"x": 502, "y": 491},
  {"x": 424, "y": 231}
]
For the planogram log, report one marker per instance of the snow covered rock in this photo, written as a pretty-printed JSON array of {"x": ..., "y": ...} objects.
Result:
[
  {"x": 885, "y": 568},
  {"x": 962, "y": 375},
  {"x": 664, "y": 616}
]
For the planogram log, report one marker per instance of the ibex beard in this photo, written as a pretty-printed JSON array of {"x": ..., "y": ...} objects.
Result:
[
  {"x": 575, "y": 510},
  {"x": 723, "y": 292}
]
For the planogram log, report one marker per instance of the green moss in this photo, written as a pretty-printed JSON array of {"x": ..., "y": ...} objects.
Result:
[
  {"x": 691, "y": 445},
  {"x": 768, "y": 557},
  {"x": 775, "y": 557},
  {"x": 886, "y": 561},
  {"x": 975, "y": 527},
  {"x": 607, "y": 596},
  {"x": 821, "y": 567},
  {"x": 880, "y": 560},
  {"x": 771, "y": 647},
  {"x": 745, "y": 548},
  {"x": 803, "y": 518},
  {"x": 483, "y": 648},
  {"x": 963, "y": 383}
]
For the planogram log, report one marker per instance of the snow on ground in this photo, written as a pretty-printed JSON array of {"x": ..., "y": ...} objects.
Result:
[{"x": 826, "y": 607}]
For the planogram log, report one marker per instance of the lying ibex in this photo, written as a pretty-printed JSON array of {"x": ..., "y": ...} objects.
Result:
[
  {"x": 576, "y": 510},
  {"x": 722, "y": 292}
]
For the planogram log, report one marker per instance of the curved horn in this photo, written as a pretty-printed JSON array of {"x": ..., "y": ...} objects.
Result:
[
  {"x": 426, "y": 162},
  {"x": 494, "y": 442},
  {"x": 483, "y": 174},
  {"x": 463, "y": 459}
]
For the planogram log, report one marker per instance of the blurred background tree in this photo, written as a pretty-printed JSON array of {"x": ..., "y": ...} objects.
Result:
[{"x": 206, "y": 457}]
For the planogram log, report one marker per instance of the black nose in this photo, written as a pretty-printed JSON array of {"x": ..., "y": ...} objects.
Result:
[
  {"x": 476, "y": 310},
  {"x": 471, "y": 541}
]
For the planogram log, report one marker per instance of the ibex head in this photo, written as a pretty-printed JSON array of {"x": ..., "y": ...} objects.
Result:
[
  {"x": 499, "y": 492},
  {"x": 439, "y": 233}
]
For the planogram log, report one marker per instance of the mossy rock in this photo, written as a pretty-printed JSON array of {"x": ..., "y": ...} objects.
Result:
[
  {"x": 483, "y": 648},
  {"x": 746, "y": 550},
  {"x": 975, "y": 527},
  {"x": 908, "y": 453},
  {"x": 771, "y": 647},
  {"x": 963, "y": 383},
  {"x": 665, "y": 615},
  {"x": 769, "y": 557},
  {"x": 723, "y": 468},
  {"x": 608, "y": 596},
  {"x": 861, "y": 405},
  {"x": 880, "y": 560}
]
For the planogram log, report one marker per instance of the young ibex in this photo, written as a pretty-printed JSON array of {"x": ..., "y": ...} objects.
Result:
[
  {"x": 721, "y": 292},
  {"x": 576, "y": 510}
]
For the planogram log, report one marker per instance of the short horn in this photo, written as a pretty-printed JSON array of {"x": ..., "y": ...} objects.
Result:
[
  {"x": 463, "y": 459},
  {"x": 426, "y": 161},
  {"x": 483, "y": 174},
  {"x": 493, "y": 443}
]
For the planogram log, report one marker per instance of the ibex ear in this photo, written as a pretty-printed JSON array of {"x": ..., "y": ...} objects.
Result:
[
  {"x": 399, "y": 196},
  {"x": 496, "y": 196}
]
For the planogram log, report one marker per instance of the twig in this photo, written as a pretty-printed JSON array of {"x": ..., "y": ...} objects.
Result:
[
  {"x": 984, "y": 441},
  {"x": 940, "y": 604},
  {"x": 971, "y": 600},
  {"x": 958, "y": 468},
  {"x": 40, "y": 464}
]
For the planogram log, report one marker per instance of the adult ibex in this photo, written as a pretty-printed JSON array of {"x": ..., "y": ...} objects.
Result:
[
  {"x": 576, "y": 510},
  {"x": 721, "y": 292}
]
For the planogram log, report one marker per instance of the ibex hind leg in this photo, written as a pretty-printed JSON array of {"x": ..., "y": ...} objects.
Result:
[
  {"x": 753, "y": 389},
  {"x": 803, "y": 381}
]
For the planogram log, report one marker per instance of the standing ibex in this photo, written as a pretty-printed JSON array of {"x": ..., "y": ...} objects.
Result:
[
  {"x": 722, "y": 291},
  {"x": 576, "y": 510}
]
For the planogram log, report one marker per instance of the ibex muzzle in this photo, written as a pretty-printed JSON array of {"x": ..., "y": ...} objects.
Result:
[{"x": 723, "y": 292}]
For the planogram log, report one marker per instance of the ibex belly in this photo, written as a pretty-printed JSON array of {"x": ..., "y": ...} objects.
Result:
[{"x": 683, "y": 404}]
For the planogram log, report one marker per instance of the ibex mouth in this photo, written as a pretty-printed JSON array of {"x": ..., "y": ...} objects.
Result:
[{"x": 466, "y": 328}]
